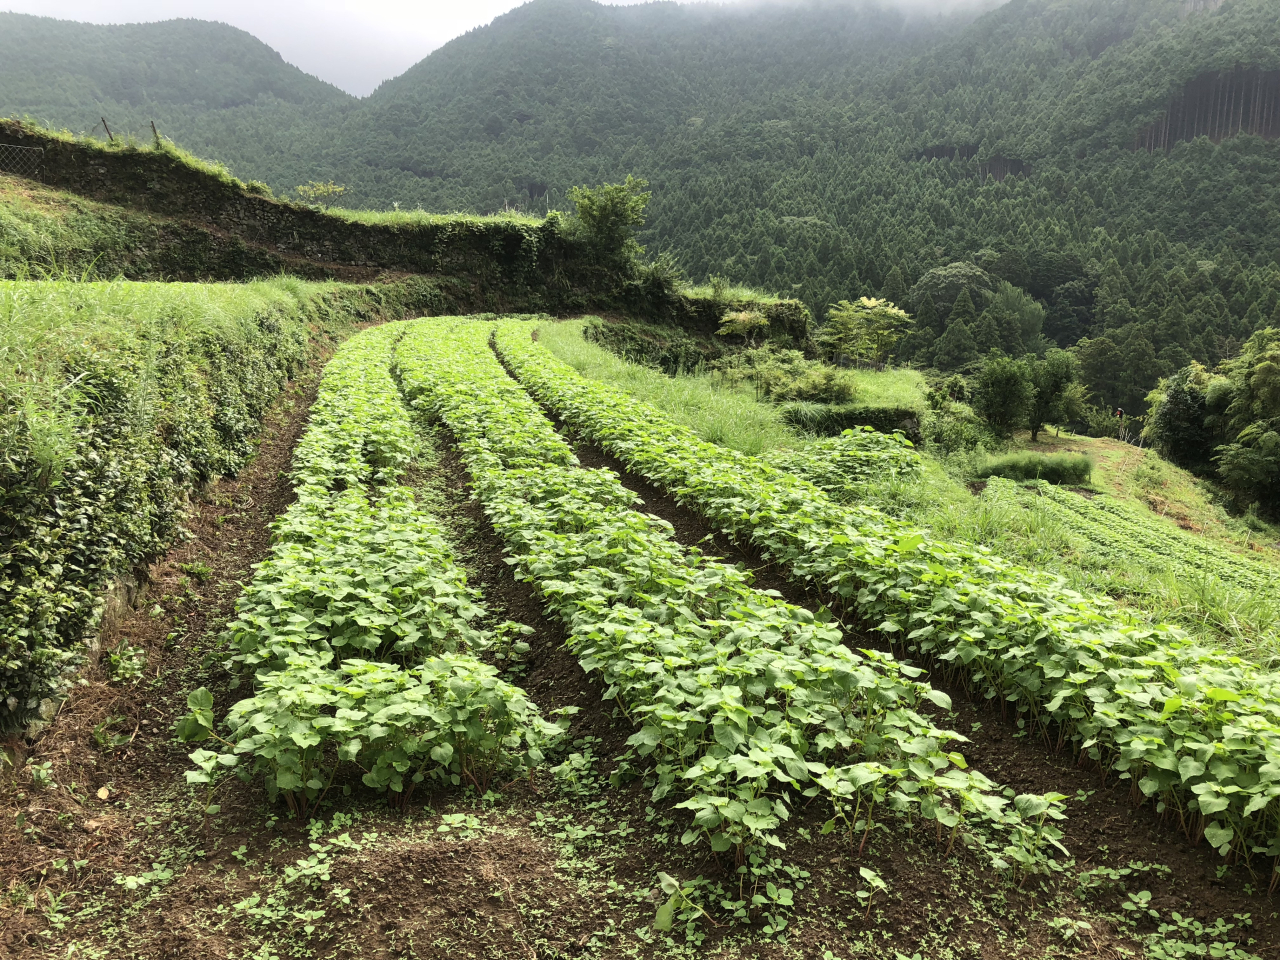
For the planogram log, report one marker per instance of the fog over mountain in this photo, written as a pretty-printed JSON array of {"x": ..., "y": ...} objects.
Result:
[{"x": 353, "y": 44}]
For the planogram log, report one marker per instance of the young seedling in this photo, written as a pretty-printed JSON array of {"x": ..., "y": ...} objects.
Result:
[
  {"x": 874, "y": 885},
  {"x": 677, "y": 898}
]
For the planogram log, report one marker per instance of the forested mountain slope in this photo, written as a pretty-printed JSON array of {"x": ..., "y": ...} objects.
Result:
[
  {"x": 215, "y": 89},
  {"x": 1115, "y": 162}
]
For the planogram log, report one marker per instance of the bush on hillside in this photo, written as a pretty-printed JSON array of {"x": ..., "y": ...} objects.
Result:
[
  {"x": 785, "y": 376},
  {"x": 1055, "y": 468}
]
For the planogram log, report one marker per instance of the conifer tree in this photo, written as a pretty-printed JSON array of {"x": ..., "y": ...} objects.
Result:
[
  {"x": 963, "y": 310},
  {"x": 986, "y": 333},
  {"x": 927, "y": 315},
  {"x": 895, "y": 287},
  {"x": 955, "y": 348}
]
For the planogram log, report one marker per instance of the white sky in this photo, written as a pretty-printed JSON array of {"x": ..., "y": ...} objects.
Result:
[{"x": 354, "y": 44}]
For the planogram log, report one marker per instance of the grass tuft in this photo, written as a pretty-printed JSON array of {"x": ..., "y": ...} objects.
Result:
[{"x": 1056, "y": 468}]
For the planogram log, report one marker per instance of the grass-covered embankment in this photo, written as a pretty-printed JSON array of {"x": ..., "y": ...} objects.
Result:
[{"x": 118, "y": 401}]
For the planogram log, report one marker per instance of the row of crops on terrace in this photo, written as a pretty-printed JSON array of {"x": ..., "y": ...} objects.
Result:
[
  {"x": 1116, "y": 529},
  {"x": 1225, "y": 597},
  {"x": 1196, "y": 731},
  {"x": 363, "y": 646},
  {"x": 359, "y": 634}
]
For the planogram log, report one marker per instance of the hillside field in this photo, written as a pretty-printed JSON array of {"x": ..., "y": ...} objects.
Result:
[
  {"x": 746, "y": 766},
  {"x": 768, "y": 481}
]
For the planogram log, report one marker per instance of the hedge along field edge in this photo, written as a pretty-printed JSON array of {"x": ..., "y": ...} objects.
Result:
[
  {"x": 358, "y": 634},
  {"x": 1197, "y": 730},
  {"x": 744, "y": 702}
]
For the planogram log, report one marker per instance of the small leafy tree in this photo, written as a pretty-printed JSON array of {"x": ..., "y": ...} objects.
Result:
[
  {"x": 863, "y": 330},
  {"x": 608, "y": 215},
  {"x": 320, "y": 194},
  {"x": 1004, "y": 392},
  {"x": 748, "y": 324},
  {"x": 1051, "y": 377}
]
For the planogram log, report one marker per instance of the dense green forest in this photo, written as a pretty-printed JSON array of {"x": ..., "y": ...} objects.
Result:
[{"x": 1094, "y": 175}]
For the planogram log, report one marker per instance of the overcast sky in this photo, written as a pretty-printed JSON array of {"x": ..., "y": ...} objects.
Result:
[{"x": 354, "y": 44}]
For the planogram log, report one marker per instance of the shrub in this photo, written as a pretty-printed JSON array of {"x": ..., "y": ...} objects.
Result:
[
  {"x": 785, "y": 376},
  {"x": 1057, "y": 468},
  {"x": 832, "y": 419}
]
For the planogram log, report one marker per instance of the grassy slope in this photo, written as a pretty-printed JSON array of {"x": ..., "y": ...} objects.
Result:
[
  {"x": 52, "y": 234},
  {"x": 724, "y": 415},
  {"x": 900, "y": 388},
  {"x": 1027, "y": 531},
  {"x": 1141, "y": 478},
  {"x": 44, "y": 231}
]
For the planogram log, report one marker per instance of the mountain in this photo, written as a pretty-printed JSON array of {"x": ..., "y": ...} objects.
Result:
[
  {"x": 1114, "y": 164},
  {"x": 558, "y": 92},
  {"x": 217, "y": 90}
]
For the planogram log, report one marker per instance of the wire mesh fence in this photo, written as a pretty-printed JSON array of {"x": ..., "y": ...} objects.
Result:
[{"x": 21, "y": 161}]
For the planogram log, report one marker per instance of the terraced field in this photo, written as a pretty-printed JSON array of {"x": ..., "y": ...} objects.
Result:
[{"x": 529, "y": 669}]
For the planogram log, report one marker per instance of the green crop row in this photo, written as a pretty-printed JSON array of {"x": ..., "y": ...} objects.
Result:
[
  {"x": 358, "y": 632},
  {"x": 1109, "y": 523},
  {"x": 1106, "y": 544},
  {"x": 742, "y": 701},
  {"x": 1195, "y": 729}
]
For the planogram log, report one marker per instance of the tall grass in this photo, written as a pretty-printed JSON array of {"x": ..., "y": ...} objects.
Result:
[
  {"x": 727, "y": 415},
  {"x": 1056, "y": 468},
  {"x": 898, "y": 387},
  {"x": 42, "y": 322},
  {"x": 415, "y": 218}
]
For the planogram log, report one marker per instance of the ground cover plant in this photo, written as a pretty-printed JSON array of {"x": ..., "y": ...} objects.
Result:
[
  {"x": 744, "y": 701},
  {"x": 1191, "y": 728},
  {"x": 935, "y": 494},
  {"x": 1113, "y": 524}
]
